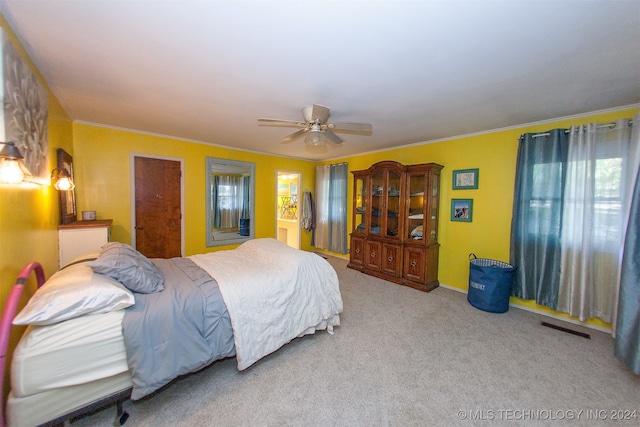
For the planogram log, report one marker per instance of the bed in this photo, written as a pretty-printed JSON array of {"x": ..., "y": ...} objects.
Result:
[{"x": 113, "y": 325}]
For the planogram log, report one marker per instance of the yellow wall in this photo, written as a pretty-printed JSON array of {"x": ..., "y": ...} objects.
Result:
[
  {"x": 488, "y": 235},
  {"x": 102, "y": 166},
  {"x": 29, "y": 213}
]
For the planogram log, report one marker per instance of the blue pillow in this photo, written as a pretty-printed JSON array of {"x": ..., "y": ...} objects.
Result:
[{"x": 126, "y": 265}]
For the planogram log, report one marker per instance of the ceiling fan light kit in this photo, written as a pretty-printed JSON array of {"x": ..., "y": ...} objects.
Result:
[
  {"x": 314, "y": 136},
  {"x": 316, "y": 128}
]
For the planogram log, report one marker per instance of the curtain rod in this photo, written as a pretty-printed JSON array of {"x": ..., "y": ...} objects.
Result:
[
  {"x": 608, "y": 125},
  {"x": 333, "y": 164}
]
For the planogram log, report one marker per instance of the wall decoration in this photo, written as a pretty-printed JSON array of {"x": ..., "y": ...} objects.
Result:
[
  {"x": 283, "y": 188},
  {"x": 461, "y": 210},
  {"x": 68, "y": 212},
  {"x": 24, "y": 112},
  {"x": 465, "y": 179}
]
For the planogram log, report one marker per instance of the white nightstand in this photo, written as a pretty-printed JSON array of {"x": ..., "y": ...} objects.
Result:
[{"x": 81, "y": 237}]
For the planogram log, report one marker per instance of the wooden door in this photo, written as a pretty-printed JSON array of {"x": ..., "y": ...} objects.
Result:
[{"x": 157, "y": 208}]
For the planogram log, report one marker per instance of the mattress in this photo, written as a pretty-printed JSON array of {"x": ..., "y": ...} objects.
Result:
[
  {"x": 69, "y": 353},
  {"x": 56, "y": 403}
]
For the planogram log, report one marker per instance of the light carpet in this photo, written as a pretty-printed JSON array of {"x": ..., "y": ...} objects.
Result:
[{"x": 402, "y": 357}]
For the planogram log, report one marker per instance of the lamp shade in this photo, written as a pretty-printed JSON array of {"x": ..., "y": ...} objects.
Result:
[
  {"x": 314, "y": 136},
  {"x": 62, "y": 180},
  {"x": 12, "y": 168}
]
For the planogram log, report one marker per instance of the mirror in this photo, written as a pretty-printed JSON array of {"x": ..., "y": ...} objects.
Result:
[{"x": 230, "y": 201}]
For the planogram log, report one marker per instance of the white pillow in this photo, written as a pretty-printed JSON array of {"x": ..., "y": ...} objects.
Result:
[{"x": 72, "y": 292}]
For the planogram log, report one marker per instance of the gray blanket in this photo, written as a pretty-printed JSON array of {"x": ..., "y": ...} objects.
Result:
[{"x": 177, "y": 331}]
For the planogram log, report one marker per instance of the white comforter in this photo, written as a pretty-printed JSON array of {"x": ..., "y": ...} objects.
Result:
[{"x": 273, "y": 293}]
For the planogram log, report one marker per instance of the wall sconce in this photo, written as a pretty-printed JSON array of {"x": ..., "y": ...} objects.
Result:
[
  {"x": 12, "y": 168},
  {"x": 61, "y": 179}
]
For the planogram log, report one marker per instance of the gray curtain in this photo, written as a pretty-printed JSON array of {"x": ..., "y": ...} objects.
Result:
[
  {"x": 214, "y": 201},
  {"x": 330, "y": 230},
  {"x": 627, "y": 346},
  {"x": 245, "y": 197},
  {"x": 537, "y": 215},
  {"x": 338, "y": 208}
]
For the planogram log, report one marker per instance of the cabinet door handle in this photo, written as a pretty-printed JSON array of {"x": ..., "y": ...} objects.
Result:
[
  {"x": 373, "y": 254},
  {"x": 139, "y": 227},
  {"x": 357, "y": 250},
  {"x": 390, "y": 259},
  {"x": 413, "y": 262}
]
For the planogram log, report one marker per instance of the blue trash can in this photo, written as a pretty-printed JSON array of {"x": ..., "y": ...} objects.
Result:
[{"x": 490, "y": 284}]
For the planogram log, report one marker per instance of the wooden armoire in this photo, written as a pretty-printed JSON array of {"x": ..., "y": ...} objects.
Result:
[{"x": 395, "y": 223}]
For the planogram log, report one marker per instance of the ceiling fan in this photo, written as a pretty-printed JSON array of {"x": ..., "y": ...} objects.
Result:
[{"x": 316, "y": 127}]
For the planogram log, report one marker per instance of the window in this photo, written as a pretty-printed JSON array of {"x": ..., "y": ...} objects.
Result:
[
  {"x": 570, "y": 215},
  {"x": 331, "y": 207}
]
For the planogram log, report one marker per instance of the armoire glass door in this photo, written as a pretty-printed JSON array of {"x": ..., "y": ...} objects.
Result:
[
  {"x": 378, "y": 207},
  {"x": 415, "y": 229},
  {"x": 360, "y": 205},
  {"x": 433, "y": 208},
  {"x": 393, "y": 205}
]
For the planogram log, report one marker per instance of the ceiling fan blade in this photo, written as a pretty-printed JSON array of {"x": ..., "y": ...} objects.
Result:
[
  {"x": 282, "y": 122},
  {"x": 316, "y": 113},
  {"x": 357, "y": 127},
  {"x": 295, "y": 135},
  {"x": 332, "y": 137}
]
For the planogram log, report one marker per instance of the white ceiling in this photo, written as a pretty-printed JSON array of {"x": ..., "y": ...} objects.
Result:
[{"x": 416, "y": 70}]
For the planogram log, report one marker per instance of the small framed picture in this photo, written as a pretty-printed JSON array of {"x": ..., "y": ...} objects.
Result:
[
  {"x": 465, "y": 179},
  {"x": 461, "y": 210}
]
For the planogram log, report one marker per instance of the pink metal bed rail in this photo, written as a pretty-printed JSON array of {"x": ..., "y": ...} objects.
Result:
[{"x": 7, "y": 318}]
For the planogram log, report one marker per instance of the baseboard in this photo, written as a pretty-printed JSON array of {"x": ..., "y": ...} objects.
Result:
[{"x": 543, "y": 313}]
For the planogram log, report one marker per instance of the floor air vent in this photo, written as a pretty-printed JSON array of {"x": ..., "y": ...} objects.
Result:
[{"x": 567, "y": 330}]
